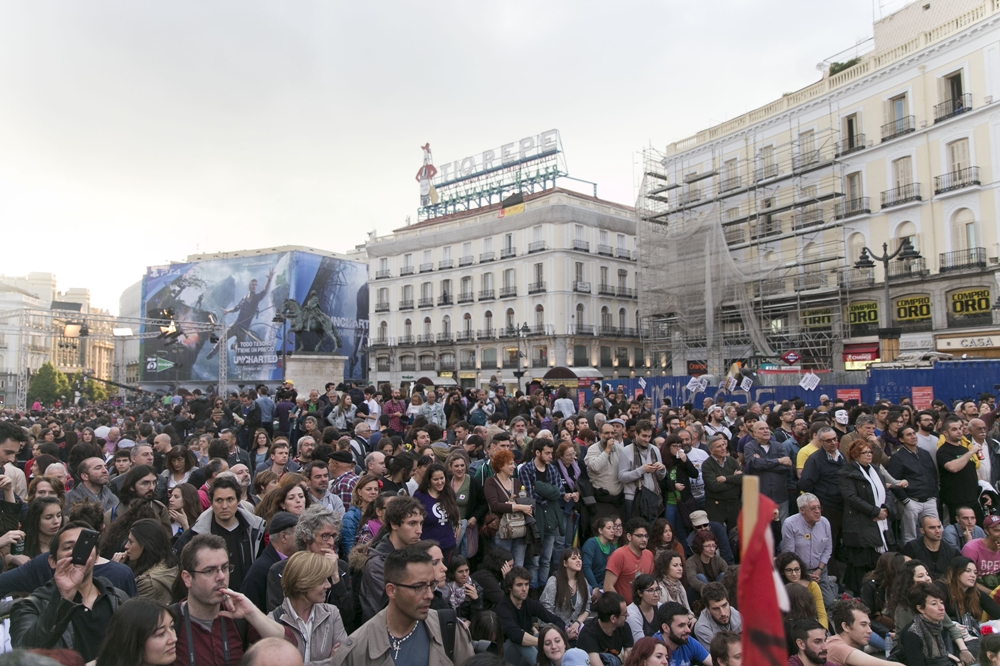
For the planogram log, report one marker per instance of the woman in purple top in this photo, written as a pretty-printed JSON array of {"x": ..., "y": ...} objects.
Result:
[{"x": 442, "y": 518}]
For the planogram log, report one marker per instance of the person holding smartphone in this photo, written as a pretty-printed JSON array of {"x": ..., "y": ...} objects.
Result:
[{"x": 74, "y": 605}]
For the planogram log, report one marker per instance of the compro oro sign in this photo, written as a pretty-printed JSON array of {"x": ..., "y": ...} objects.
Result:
[
  {"x": 863, "y": 317},
  {"x": 970, "y": 307},
  {"x": 913, "y": 313}
]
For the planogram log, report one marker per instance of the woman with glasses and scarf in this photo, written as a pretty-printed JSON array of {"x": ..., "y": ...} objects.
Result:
[
  {"x": 866, "y": 525},
  {"x": 924, "y": 641}
]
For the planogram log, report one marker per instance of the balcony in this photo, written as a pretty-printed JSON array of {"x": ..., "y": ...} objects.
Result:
[
  {"x": 809, "y": 281},
  {"x": 731, "y": 183},
  {"x": 509, "y": 332},
  {"x": 735, "y": 235},
  {"x": 444, "y": 299},
  {"x": 466, "y": 261},
  {"x": 622, "y": 253},
  {"x": 807, "y": 159},
  {"x": 406, "y": 270},
  {"x": 581, "y": 287},
  {"x": 808, "y": 217},
  {"x": 911, "y": 268},
  {"x": 445, "y": 264},
  {"x": 466, "y": 297},
  {"x": 425, "y": 339},
  {"x": 956, "y": 180},
  {"x": 487, "y": 295},
  {"x": 536, "y": 287},
  {"x": 407, "y": 366},
  {"x": 617, "y": 332},
  {"x": 467, "y": 365},
  {"x": 581, "y": 245},
  {"x": 426, "y": 302},
  {"x": 689, "y": 197},
  {"x": 605, "y": 250},
  {"x": 381, "y": 307},
  {"x": 852, "y": 207},
  {"x": 444, "y": 337},
  {"x": 380, "y": 341},
  {"x": 857, "y": 278},
  {"x": 406, "y": 340},
  {"x": 851, "y": 144},
  {"x": 583, "y": 329},
  {"x": 510, "y": 364},
  {"x": 898, "y": 127},
  {"x": 537, "y": 246},
  {"x": 508, "y": 252},
  {"x": 768, "y": 226},
  {"x": 381, "y": 275},
  {"x": 953, "y": 261},
  {"x": 465, "y": 336},
  {"x": 765, "y": 172},
  {"x": 486, "y": 334},
  {"x": 447, "y": 364},
  {"x": 427, "y": 268},
  {"x": 486, "y": 256},
  {"x": 901, "y": 195},
  {"x": 768, "y": 287},
  {"x": 406, "y": 305},
  {"x": 625, "y": 292},
  {"x": 539, "y": 363},
  {"x": 427, "y": 365},
  {"x": 508, "y": 292},
  {"x": 383, "y": 365},
  {"x": 953, "y": 107},
  {"x": 606, "y": 290}
]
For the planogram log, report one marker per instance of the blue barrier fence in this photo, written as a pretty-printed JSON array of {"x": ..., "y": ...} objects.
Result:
[{"x": 946, "y": 380}]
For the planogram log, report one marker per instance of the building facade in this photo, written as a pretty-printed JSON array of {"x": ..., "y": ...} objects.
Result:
[
  {"x": 897, "y": 147},
  {"x": 463, "y": 297}
]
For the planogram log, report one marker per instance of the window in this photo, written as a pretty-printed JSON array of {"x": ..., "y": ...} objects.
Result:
[
  {"x": 427, "y": 325},
  {"x": 765, "y": 163},
  {"x": 581, "y": 356},
  {"x": 807, "y": 148},
  {"x": 605, "y": 318},
  {"x": 622, "y": 279},
  {"x": 898, "y": 108},
  {"x": 407, "y": 261},
  {"x": 640, "y": 359},
  {"x": 407, "y": 327},
  {"x": 622, "y": 319},
  {"x": 580, "y": 321},
  {"x": 539, "y": 317},
  {"x": 488, "y": 321},
  {"x": 855, "y": 244},
  {"x": 963, "y": 225},
  {"x": 906, "y": 232},
  {"x": 446, "y": 325},
  {"x": 604, "y": 275},
  {"x": 536, "y": 234},
  {"x": 467, "y": 324},
  {"x": 509, "y": 322},
  {"x": 902, "y": 172},
  {"x": 851, "y": 129},
  {"x": 487, "y": 281},
  {"x": 487, "y": 245},
  {"x": 408, "y": 293},
  {"x": 490, "y": 357},
  {"x": 539, "y": 273},
  {"x": 730, "y": 172},
  {"x": 953, "y": 90},
  {"x": 466, "y": 286},
  {"x": 578, "y": 272},
  {"x": 578, "y": 232},
  {"x": 446, "y": 253},
  {"x": 508, "y": 242},
  {"x": 621, "y": 242},
  {"x": 508, "y": 279},
  {"x": 383, "y": 264},
  {"x": 466, "y": 249},
  {"x": 426, "y": 290},
  {"x": 958, "y": 154},
  {"x": 383, "y": 296},
  {"x": 445, "y": 289},
  {"x": 622, "y": 357},
  {"x": 603, "y": 237},
  {"x": 606, "y": 357},
  {"x": 427, "y": 256},
  {"x": 854, "y": 190}
]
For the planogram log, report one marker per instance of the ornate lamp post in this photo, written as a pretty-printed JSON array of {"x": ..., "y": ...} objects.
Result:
[{"x": 905, "y": 252}]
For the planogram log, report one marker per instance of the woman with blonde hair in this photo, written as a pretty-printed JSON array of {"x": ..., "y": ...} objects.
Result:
[{"x": 305, "y": 582}]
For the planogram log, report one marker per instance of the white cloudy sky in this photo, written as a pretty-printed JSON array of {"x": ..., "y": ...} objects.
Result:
[{"x": 136, "y": 132}]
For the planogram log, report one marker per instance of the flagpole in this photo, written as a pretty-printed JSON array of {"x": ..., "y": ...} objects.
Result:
[{"x": 751, "y": 503}]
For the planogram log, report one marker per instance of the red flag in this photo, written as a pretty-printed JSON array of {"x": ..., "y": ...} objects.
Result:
[{"x": 763, "y": 631}]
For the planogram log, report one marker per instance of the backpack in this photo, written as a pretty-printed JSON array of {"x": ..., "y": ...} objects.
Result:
[
  {"x": 447, "y": 618},
  {"x": 477, "y": 417}
]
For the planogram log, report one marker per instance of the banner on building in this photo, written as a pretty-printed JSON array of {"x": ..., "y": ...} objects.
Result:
[
  {"x": 970, "y": 307},
  {"x": 862, "y": 316}
]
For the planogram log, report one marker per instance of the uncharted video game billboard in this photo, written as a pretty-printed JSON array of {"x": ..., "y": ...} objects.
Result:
[{"x": 325, "y": 301}]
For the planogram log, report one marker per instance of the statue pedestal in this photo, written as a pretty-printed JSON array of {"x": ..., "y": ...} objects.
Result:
[{"x": 313, "y": 370}]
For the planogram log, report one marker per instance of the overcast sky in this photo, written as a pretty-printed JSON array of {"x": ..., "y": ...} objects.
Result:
[{"x": 134, "y": 133}]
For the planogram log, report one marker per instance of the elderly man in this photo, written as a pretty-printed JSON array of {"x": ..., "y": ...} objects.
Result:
[
  {"x": 864, "y": 428},
  {"x": 317, "y": 531},
  {"x": 808, "y": 535},
  {"x": 989, "y": 465},
  {"x": 433, "y": 410},
  {"x": 772, "y": 462},
  {"x": 375, "y": 464},
  {"x": 602, "y": 464}
]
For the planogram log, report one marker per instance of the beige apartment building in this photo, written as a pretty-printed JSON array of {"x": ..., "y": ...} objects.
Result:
[{"x": 766, "y": 216}]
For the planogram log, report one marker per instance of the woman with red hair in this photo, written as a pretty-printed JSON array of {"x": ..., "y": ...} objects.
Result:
[{"x": 505, "y": 495}]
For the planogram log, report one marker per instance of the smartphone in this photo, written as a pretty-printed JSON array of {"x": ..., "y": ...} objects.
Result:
[{"x": 84, "y": 546}]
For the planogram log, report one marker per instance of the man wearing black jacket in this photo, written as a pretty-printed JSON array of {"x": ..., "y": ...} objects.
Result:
[
  {"x": 249, "y": 417},
  {"x": 282, "y": 531},
  {"x": 820, "y": 476},
  {"x": 517, "y": 614}
]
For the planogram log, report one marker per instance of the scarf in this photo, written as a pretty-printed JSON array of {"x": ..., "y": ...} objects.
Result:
[
  {"x": 674, "y": 590},
  {"x": 878, "y": 490},
  {"x": 570, "y": 482},
  {"x": 966, "y": 443},
  {"x": 930, "y": 636}
]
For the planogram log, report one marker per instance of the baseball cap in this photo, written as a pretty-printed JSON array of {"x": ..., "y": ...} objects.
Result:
[
  {"x": 699, "y": 518},
  {"x": 617, "y": 421},
  {"x": 575, "y": 657},
  {"x": 281, "y": 521},
  {"x": 125, "y": 444},
  {"x": 841, "y": 416},
  {"x": 990, "y": 521}
]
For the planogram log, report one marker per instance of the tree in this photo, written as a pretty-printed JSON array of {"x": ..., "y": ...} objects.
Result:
[
  {"x": 48, "y": 385},
  {"x": 94, "y": 391}
]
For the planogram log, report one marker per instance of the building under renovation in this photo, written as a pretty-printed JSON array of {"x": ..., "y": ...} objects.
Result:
[{"x": 753, "y": 232}]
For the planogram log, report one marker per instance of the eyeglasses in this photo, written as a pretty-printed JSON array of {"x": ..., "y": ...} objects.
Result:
[
  {"x": 327, "y": 536},
  {"x": 652, "y": 590},
  {"x": 419, "y": 588},
  {"x": 793, "y": 570},
  {"x": 215, "y": 571},
  {"x": 866, "y": 452}
]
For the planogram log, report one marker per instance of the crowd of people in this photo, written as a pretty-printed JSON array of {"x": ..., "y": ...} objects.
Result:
[{"x": 370, "y": 525}]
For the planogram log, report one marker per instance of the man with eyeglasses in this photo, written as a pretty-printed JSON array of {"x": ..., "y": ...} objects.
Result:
[
  {"x": 628, "y": 562},
  {"x": 407, "y": 630},
  {"x": 821, "y": 476},
  {"x": 242, "y": 532},
  {"x": 517, "y": 613},
  {"x": 318, "y": 531},
  {"x": 808, "y": 535},
  {"x": 912, "y": 464},
  {"x": 206, "y": 629}
]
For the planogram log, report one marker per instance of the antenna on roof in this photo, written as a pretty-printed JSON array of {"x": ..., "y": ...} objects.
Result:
[{"x": 407, "y": 220}]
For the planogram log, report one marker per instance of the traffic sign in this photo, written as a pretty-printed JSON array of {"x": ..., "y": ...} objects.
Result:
[{"x": 790, "y": 357}]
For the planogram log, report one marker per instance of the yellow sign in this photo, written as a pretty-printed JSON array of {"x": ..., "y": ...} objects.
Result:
[
  {"x": 974, "y": 301},
  {"x": 913, "y": 308},
  {"x": 817, "y": 319},
  {"x": 511, "y": 210},
  {"x": 865, "y": 312}
]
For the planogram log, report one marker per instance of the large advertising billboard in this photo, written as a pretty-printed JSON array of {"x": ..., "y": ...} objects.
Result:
[{"x": 324, "y": 298}]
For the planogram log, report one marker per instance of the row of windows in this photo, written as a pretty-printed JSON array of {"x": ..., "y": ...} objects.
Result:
[
  {"x": 510, "y": 322},
  {"x": 606, "y": 358}
]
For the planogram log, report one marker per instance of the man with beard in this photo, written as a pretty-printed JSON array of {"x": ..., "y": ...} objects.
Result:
[
  {"x": 206, "y": 626},
  {"x": 675, "y": 630},
  {"x": 927, "y": 438},
  {"x": 641, "y": 466},
  {"x": 140, "y": 483},
  {"x": 306, "y": 446},
  {"x": 809, "y": 638},
  {"x": 718, "y": 614},
  {"x": 93, "y": 485},
  {"x": 602, "y": 463},
  {"x": 395, "y": 409}
]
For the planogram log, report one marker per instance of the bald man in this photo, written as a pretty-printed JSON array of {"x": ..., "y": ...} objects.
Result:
[
  {"x": 989, "y": 466},
  {"x": 272, "y": 651}
]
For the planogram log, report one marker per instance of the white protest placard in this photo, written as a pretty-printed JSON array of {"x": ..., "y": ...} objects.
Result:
[
  {"x": 809, "y": 382},
  {"x": 642, "y": 383},
  {"x": 703, "y": 384},
  {"x": 746, "y": 384},
  {"x": 694, "y": 385},
  {"x": 731, "y": 384}
]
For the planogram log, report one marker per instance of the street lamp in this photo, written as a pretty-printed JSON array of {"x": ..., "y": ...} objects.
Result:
[
  {"x": 521, "y": 333},
  {"x": 282, "y": 318},
  {"x": 905, "y": 252}
]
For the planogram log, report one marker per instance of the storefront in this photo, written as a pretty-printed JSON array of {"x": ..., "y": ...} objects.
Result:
[
  {"x": 982, "y": 344},
  {"x": 860, "y": 356}
]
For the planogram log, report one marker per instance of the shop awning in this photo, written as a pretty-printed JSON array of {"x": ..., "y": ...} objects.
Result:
[
  {"x": 562, "y": 372},
  {"x": 868, "y": 351},
  {"x": 437, "y": 380}
]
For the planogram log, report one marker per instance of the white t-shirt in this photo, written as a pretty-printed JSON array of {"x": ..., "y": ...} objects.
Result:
[
  {"x": 697, "y": 458},
  {"x": 928, "y": 443},
  {"x": 373, "y": 413},
  {"x": 566, "y": 406}
]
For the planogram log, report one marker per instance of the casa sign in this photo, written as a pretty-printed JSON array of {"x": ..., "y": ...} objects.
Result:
[
  {"x": 540, "y": 145},
  {"x": 967, "y": 342}
]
